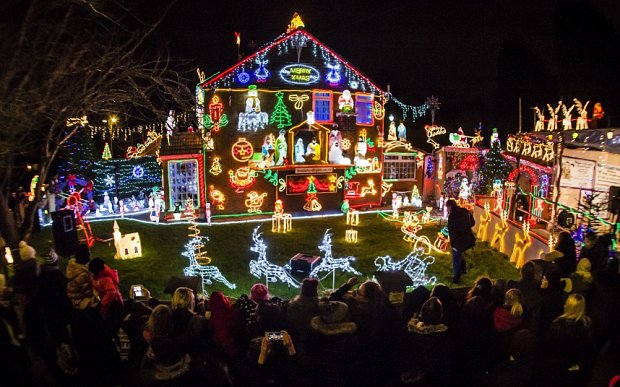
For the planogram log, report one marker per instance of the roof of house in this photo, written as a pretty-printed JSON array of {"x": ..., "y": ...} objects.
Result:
[
  {"x": 298, "y": 38},
  {"x": 181, "y": 143}
]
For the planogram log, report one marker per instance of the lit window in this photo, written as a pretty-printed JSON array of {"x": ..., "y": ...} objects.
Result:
[
  {"x": 183, "y": 182},
  {"x": 363, "y": 109},
  {"x": 399, "y": 167},
  {"x": 322, "y": 106}
]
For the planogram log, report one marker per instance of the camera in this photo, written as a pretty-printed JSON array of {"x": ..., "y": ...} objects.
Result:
[
  {"x": 138, "y": 294},
  {"x": 275, "y": 336}
]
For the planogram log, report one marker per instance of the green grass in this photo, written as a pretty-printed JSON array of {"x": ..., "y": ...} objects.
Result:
[{"x": 229, "y": 249}]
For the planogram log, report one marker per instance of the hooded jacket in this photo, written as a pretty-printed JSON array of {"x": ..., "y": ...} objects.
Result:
[
  {"x": 79, "y": 285},
  {"x": 105, "y": 284}
]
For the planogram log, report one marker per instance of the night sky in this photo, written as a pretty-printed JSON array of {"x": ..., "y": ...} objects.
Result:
[{"x": 476, "y": 56}]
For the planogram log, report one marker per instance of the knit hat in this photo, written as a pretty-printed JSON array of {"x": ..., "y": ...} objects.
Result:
[
  {"x": 309, "y": 287},
  {"x": 431, "y": 312},
  {"x": 333, "y": 312},
  {"x": 51, "y": 259},
  {"x": 259, "y": 293},
  {"x": 26, "y": 251}
]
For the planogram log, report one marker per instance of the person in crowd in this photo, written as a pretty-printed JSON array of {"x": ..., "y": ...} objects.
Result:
[
  {"x": 519, "y": 369},
  {"x": 430, "y": 355},
  {"x": 105, "y": 283},
  {"x": 134, "y": 323},
  {"x": 460, "y": 222},
  {"x": 568, "y": 346},
  {"x": 596, "y": 249},
  {"x": 551, "y": 291},
  {"x": 271, "y": 355},
  {"x": 79, "y": 285},
  {"x": 259, "y": 293},
  {"x": 301, "y": 309},
  {"x": 164, "y": 362},
  {"x": 450, "y": 308},
  {"x": 414, "y": 301},
  {"x": 604, "y": 306},
  {"x": 530, "y": 295},
  {"x": 509, "y": 316},
  {"x": 333, "y": 338},
  {"x": 25, "y": 282},
  {"x": 566, "y": 253},
  {"x": 377, "y": 324},
  {"x": 189, "y": 327},
  {"x": 481, "y": 288},
  {"x": 226, "y": 325},
  {"x": 475, "y": 340},
  {"x": 47, "y": 315},
  {"x": 580, "y": 280}
]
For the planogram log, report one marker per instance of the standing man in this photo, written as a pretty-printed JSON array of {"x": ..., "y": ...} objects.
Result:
[{"x": 460, "y": 222}]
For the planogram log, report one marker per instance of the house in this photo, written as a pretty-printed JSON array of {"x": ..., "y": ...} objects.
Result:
[{"x": 294, "y": 121}]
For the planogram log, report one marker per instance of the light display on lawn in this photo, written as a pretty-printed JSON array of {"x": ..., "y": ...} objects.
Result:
[
  {"x": 198, "y": 259},
  {"x": 523, "y": 240},
  {"x": 501, "y": 228},
  {"x": 262, "y": 266},
  {"x": 483, "y": 222},
  {"x": 414, "y": 265},
  {"x": 280, "y": 220},
  {"x": 331, "y": 264}
]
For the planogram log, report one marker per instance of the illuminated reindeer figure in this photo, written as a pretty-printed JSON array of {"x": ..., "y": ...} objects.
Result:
[
  {"x": 553, "y": 120},
  {"x": 329, "y": 263},
  {"x": 540, "y": 122},
  {"x": 521, "y": 244},
  {"x": 567, "y": 122},
  {"x": 501, "y": 228},
  {"x": 262, "y": 266},
  {"x": 208, "y": 273},
  {"x": 485, "y": 219},
  {"x": 414, "y": 266},
  {"x": 582, "y": 120}
]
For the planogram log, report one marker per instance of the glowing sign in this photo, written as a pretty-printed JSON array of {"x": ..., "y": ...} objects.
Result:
[{"x": 299, "y": 74}]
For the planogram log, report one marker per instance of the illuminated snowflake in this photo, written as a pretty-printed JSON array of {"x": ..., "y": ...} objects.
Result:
[{"x": 109, "y": 181}]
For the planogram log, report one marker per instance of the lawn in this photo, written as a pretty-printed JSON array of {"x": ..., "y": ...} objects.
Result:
[{"x": 229, "y": 248}]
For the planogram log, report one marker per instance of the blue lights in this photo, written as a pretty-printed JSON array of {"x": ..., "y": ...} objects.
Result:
[{"x": 243, "y": 77}]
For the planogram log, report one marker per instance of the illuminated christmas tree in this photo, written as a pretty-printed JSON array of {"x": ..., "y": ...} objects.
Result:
[
  {"x": 494, "y": 167},
  {"x": 280, "y": 116},
  {"x": 107, "y": 155}
]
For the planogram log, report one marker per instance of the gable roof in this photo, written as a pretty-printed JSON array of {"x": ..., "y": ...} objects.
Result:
[
  {"x": 296, "y": 38},
  {"x": 181, "y": 143}
]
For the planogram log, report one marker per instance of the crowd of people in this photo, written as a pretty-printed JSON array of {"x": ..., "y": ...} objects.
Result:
[{"x": 551, "y": 327}]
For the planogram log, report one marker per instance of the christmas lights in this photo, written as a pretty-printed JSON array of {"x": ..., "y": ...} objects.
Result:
[
  {"x": 242, "y": 178},
  {"x": 262, "y": 266},
  {"x": 217, "y": 197},
  {"x": 216, "y": 167},
  {"x": 501, "y": 228},
  {"x": 252, "y": 119},
  {"x": 280, "y": 115},
  {"x": 299, "y": 74},
  {"x": 331, "y": 264},
  {"x": 483, "y": 223},
  {"x": 242, "y": 150},
  {"x": 523, "y": 240},
  {"x": 254, "y": 202},
  {"x": 413, "y": 265}
]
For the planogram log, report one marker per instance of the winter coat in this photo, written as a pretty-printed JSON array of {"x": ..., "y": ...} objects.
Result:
[
  {"x": 460, "y": 223},
  {"x": 504, "y": 321},
  {"x": 299, "y": 312},
  {"x": 80, "y": 287},
  {"x": 105, "y": 284},
  {"x": 430, "y": 354}
]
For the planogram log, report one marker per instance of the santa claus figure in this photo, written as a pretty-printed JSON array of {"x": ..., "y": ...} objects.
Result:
[{"x": 345, "y": 102}]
